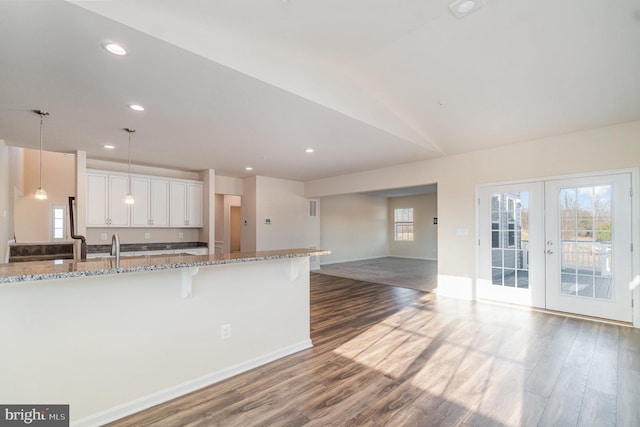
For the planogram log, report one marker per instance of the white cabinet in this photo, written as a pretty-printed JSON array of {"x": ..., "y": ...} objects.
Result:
[
  {"x": 151, "y": 202},
  {"x": 158, "y": 202},
  {"x": 105, "y": 200},
  {"x": 185, "y": 204}
]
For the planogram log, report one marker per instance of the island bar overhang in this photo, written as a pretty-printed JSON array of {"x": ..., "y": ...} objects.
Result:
[{"x": 116, "y": 343}]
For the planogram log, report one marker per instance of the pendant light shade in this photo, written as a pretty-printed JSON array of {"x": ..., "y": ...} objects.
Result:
[
  {"x": 41, "y": 194},
  {"x": 129, "y": 197}
]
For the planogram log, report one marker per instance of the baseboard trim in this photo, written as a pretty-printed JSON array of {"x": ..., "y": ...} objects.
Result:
[
  {"x": 413, "y": 257},
  {"x": 178, "y": 390}
]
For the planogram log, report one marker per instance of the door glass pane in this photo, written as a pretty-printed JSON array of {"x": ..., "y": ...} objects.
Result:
[
  {"x": 496, "y": 258},
  {"x": 568, "y": 284},
  {"x": 585, "y": 285},
  {"x": 523, "y": 279},
  {"x": 496, "y": 276},
  {"x": 586, "y": 232},
  {"x": 510, "y": 239}
]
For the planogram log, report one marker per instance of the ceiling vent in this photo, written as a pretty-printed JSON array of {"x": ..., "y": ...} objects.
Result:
[{"x": 461, "y": 8}]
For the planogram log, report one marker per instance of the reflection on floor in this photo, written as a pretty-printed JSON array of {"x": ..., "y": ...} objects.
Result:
[{"x": 410, "y": 273}]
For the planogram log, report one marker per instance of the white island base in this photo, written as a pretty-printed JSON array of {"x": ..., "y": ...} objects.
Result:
[{"x": 112, "y": 345}]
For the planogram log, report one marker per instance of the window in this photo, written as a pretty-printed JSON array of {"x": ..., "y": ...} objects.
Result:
[
  {"x": 403, "y": 224},
  {"x": 58, "y": 222}
]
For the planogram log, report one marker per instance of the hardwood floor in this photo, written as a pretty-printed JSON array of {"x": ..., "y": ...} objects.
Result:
[{"x": 389, "y": 356}]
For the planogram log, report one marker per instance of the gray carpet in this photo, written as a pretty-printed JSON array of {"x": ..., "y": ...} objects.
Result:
[{"x": 405, "y": 272}]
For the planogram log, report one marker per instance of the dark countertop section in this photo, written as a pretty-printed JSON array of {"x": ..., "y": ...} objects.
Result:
[
  {"x": 59, "y": 269},
  {"x": 40, "y": 251},
  {"x": 139, "y": 247}
]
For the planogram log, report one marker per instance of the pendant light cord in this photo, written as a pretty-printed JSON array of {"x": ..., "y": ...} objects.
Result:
[
  {"x": 129, "y": 162},
  {"x": 42, "y": 116},
  {"x": 129, "y": 131},
  {"x": 41, "y": 120}
]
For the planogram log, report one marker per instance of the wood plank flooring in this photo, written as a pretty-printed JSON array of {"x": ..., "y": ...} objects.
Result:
[{"x": 389, "y": 356}]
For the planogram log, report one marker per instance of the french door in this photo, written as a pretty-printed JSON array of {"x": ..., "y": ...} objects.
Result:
[
  {"x": 511, "y": 250},
  {"x": 562, "y": 244}
]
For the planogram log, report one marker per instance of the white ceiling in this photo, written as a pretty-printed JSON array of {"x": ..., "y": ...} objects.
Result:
[{"x": 366, "y": 83}]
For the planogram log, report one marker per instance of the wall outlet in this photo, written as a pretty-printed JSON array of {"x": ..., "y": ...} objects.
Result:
[
  {"x": 103, "y": 236},
  {"x": 225, "y": 331},
  {"x": 180, "y": 235},
  {"x": 147, "y": 235}
]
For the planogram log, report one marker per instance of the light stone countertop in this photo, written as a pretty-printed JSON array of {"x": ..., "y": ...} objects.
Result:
[{"x": 45, "y": 270}]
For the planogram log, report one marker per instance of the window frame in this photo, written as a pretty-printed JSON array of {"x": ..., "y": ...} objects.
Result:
[
  {"x": 54, "y": 208},
  {"x": 405, "y": 221}
]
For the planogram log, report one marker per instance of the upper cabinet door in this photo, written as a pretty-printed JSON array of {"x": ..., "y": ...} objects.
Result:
[
  {"x": 159, "y": 203},
  {"x": 186, "y": 204},
  {"x": 118, "y": 209},
  {"x": 140, "y": 210},
  {"x": 105, "y": 200},
  {"x": 178, "y": 204},
  {"x": 97, "y": 189},
  {"x": 194, "y": 205}
]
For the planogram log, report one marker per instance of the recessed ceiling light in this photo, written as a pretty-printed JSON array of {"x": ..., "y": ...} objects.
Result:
[
  {"x": 248, "y": 168},
  {"x": 462, "y": 8},
  {"x": 109, "y": 146},
  {"x": 116, "y": 49},
  {"x": 136, "y": 107},
  {"x": 309, "y": 150}
]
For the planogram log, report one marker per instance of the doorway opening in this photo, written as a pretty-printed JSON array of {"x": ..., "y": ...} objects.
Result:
[{"x": 234, "y": 228}]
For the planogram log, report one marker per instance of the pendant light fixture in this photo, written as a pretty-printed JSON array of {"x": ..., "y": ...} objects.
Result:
[
  {"x": 41, "y": 194},
  {"x": 129, "y": 197}
]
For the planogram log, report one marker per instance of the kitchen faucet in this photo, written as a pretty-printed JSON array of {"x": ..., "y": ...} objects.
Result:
[{"x": 115, "y": 246}]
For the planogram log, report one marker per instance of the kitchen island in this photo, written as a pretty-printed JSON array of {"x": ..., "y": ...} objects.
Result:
[{"x": 112, "y": 337}]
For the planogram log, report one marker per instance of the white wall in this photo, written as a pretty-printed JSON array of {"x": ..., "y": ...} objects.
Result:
[
  {"x": 229, "y": 185},
  {"x": 600, "y": 149},
  {"x": 110, "y": 345},
  {"x": 283, "y": 202},
  {"x": 425, "y": 243},
  {"x": 140, "y": 169},
  {"x": 33, "y": 222},
  {"x": 353, "y": 227}
]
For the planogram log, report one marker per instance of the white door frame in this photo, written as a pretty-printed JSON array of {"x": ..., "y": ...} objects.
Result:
[{"x": 635, "y": 229}]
